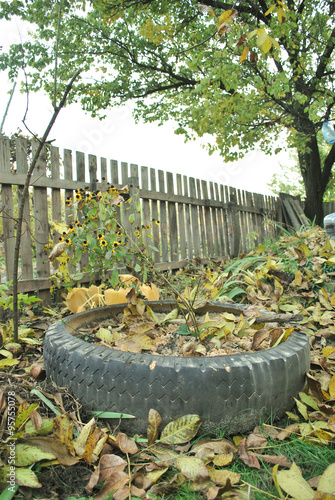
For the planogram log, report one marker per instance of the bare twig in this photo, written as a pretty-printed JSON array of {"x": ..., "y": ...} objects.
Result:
[
  {"x": 7, "y": 107},
  {"x": 23, "y": 199}
]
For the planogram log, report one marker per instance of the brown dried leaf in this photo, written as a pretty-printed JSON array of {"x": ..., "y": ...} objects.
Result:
[
  {"x": 36, "y": 420},
  {"x": 117, "y": 482},
  {"x": 154, "y": 421},
  {"x": 276, "y": 459},
  {"x": 217, "y": 445},
  {"x": 57, "y": 250},
  {"x": 290, "y": 429},
  {"x": 314, "y": 387},
  {"x": 128, "y": 345},
  {"x": 259, "y": 337},
  {"x": 253, "y": 57},
  {"x": 126, "y": 444},
  {"x": 256, "y": 440},
  {"x": 248, "y": 457},
  {"x": 275, "y": 334},
  {"x": 241, "y": 40},
  {"x": 272, "y": 432},
  {"x": 109, "y": 466},
  {"x": 164, "y": 453}
]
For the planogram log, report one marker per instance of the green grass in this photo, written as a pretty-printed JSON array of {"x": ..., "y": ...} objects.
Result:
[{"x": 311, "y": 458}]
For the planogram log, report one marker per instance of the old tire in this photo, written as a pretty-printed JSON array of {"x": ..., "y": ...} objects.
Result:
[{"x": 232, "y": 392}]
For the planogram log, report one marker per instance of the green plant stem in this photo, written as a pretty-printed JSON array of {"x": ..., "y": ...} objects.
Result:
[
  {"x": 161, "y": 276},
  {"x": 22, "y": 203}
]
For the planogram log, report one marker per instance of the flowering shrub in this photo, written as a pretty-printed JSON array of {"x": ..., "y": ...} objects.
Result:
[{"x": 96, "y": 243}]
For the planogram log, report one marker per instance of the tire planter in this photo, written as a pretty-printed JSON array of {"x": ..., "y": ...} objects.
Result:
[{"x": 231, "y": 392}]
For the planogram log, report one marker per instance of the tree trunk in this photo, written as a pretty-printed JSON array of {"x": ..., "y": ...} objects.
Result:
[{"x": 310, "y": 166}]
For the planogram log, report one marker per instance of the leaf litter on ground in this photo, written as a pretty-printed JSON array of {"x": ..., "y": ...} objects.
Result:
[{"x": 295, "y": 277}]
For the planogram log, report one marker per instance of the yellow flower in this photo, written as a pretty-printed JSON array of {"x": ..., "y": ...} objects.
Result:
[{"x": 103, "y": 243}]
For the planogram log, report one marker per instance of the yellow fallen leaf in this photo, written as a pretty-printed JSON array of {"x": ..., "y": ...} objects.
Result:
[
  {"x": 292, "y": 482},
  {"x": 129, "y": 279},
  {"x": 332, "y": 387},
  {"x": 326, "y": 351},
  {"x": 116, "y": 296},
  {"x": 76, "y": 300},
  {"x": 7, "y": 363},
  {"x": 327, "y": 480},
  {"x": 151, "y": 292}
]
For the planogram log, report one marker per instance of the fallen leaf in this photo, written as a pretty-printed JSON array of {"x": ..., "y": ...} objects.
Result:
[
  {"x": 275, "y": 459},
  {"x": 256, "y": 440},
  {"x": 126, "y": 444},
  {"x": 8, "y": 363},
  {"x": 290, "y": 429},
  {"x": 28, "y": 455},
  {"x": 128, "y": 345},
  {"x": 154, "y": 421},
  {"x": 248, "y": 457},
  {"x": 327, "y": 480},
  {"x": 192, "y": 468},
  {"x": 150, "y": 292},
  {"x": 217, "y": 445},
  {"x": 76, "y": 300},
  {"x": 110, "y": 466},
  {"x": 292, "y": 482},
  {"x": 116, "y": 483},
  {"x": 223, "y": 459},
  {"x": 221, "y": 477},
  {"x": 181, "y": 430},
  {"x": 116, "y": 296},
  {"x": 50, "y": 445},
  {"x": 63, "y": 432}
]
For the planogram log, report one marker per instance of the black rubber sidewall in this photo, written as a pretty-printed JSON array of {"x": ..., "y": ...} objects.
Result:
[{"x": 232, "y": 392}]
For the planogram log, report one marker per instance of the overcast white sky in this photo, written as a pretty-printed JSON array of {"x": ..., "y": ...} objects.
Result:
[{"x": 119, "y": 138}]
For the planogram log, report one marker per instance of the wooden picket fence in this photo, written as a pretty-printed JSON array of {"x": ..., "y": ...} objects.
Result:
[{"x": 197, "y": 218}]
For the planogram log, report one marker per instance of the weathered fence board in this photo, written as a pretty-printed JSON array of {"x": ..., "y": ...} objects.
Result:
[
  {"x": 26, "y": 240},
  {"x": 195, "y": 218}
]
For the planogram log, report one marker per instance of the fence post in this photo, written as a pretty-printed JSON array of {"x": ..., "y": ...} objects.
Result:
[
  {"x": 234, "y": 226},
  {"x": 7, "y": 209}
]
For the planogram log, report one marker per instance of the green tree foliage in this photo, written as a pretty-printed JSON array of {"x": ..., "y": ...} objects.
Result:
[{"x": 242, "y": 71}]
